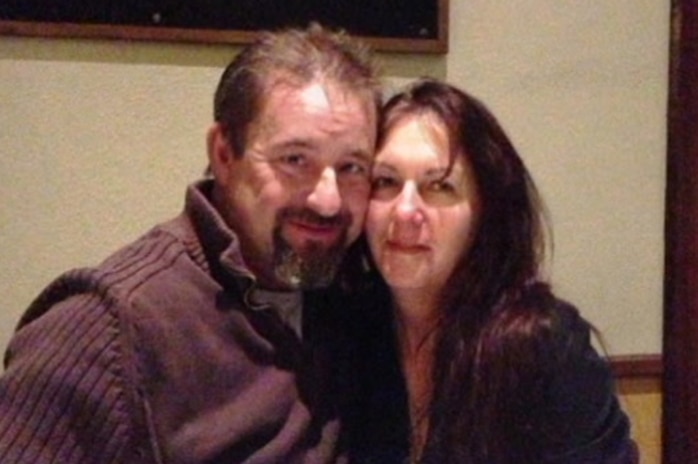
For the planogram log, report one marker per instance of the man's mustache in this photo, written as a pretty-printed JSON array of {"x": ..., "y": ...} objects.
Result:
[{"x": 343, "y": 219}]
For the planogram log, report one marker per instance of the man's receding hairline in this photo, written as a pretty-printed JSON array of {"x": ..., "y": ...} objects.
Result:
[{"x": 283, "y": 79}]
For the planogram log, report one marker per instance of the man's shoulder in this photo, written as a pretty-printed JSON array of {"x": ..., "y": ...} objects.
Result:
[
  {"x": 154, "y": 252},
  {"x": 123, "y": 275}
]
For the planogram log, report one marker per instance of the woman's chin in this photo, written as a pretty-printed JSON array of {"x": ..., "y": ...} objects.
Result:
[{"x": 404, "y": 277}]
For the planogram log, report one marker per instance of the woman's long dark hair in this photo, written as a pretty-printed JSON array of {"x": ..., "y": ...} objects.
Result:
[{"x": 495, "y": 314}]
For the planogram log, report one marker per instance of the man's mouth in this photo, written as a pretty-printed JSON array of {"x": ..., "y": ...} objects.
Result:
[
  {"x": 303, "y": 226},
  {"x": 298, "y": 231}
]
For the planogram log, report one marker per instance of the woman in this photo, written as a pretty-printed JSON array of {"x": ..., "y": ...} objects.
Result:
[{"x": 464, "y": 354}]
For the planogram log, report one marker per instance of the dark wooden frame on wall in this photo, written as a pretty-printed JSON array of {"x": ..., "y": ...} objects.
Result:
[
  {"x": 416, "y": 40},
  {"x": 680, "y": 384}
]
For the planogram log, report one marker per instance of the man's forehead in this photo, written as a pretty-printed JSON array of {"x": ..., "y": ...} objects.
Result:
[
  {"x": 287, "y": 101},
  {"x": 320, "y": 89},
  {"x": 316, "y": 95},
  {"x": 320, "y": 94},
  {"x": 308, "y": 96}
]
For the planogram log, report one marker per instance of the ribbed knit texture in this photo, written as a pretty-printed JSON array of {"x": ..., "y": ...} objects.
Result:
[
  {"x": 65, "y": 390},
  {"x": 153, "y": 357},
  {"x": 71, "y": 374}
]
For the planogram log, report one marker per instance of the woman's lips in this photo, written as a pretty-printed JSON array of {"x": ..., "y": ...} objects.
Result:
[{"x": 407, "y": 248}]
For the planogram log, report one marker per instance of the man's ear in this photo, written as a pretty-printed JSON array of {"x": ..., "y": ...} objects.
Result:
[{"x": 220, "y": 153}]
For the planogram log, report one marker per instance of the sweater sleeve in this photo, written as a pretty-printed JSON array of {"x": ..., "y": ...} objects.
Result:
[
  {"x": 62, "y": 395},
  {"x": 585, "y": 423}
]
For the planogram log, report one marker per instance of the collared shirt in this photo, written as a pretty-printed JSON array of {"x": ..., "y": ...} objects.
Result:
[{"x": 287, "y": 304}]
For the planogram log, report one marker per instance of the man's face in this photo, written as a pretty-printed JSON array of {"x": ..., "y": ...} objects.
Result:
[{"x": 298, "y": 195}]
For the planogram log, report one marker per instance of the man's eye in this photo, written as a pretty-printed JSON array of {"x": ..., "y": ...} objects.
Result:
[
  {"x": 294, "y": 159},
  {"x": 353, "y": 169}
]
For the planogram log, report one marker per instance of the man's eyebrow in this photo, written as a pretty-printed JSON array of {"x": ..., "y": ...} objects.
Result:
[
  {"x": 363, "y": 155},
  {"x": 294, "y": 143}
]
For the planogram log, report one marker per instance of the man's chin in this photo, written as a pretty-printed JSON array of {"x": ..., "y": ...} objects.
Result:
[
  {"x": 309, "y": 269},
  {"x": 303, "y": 281},
  {"x": 303, "y": 263}
]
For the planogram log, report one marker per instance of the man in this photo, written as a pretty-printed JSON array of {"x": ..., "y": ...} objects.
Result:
[{"x": 189, "y": 345}]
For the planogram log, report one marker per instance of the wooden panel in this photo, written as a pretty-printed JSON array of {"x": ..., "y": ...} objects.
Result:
[
  {"x": 637, "y": 366},
  {"x": 639, "y": 382},
  {"x": 680, "y": 404},
  {"x": 641, "y": 398}
]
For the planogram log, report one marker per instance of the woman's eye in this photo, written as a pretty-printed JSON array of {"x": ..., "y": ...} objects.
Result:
[
  {"x": 441, "y": 186},
  {"x": 383, "y": 182}
]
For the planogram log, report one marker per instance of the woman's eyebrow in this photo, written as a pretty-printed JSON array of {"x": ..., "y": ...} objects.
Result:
[
  {"x": 438, "y": 172},
  {"x": 382, "y": 166}
]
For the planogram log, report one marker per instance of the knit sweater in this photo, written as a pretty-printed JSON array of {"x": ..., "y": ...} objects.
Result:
[{"x": 157, "y": 356}]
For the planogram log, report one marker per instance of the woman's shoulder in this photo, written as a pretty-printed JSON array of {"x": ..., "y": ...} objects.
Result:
[
  {"x": 563, "y": 351},
  {"x": 550, "y": 321},
  {"x": 581, "y": 419}
]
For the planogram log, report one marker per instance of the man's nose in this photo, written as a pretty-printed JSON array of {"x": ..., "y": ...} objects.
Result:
[{"x": 325, "y": 198}]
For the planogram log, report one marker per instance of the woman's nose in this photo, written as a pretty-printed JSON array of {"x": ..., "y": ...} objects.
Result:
[{"x": 409, "y": 205}]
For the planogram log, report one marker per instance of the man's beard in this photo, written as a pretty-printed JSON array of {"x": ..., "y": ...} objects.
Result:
[{"x": 315, "y": 265}]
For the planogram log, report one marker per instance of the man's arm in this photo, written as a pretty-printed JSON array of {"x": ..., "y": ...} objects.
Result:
[{"x": 64, "y": 395}]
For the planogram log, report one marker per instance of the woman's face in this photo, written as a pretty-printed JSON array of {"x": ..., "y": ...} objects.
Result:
[{"x": 420, "y": 221}]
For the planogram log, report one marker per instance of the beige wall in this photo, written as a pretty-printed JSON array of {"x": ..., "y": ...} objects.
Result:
[{"x": 98, "y": 139}]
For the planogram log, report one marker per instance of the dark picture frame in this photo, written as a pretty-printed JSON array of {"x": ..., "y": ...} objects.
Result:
[{"x": 387, "y": 25}]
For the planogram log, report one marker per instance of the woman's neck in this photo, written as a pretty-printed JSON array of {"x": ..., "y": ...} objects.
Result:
[
  {"x": 415, "y": 316},
  {"x": 416, "y": 326}
]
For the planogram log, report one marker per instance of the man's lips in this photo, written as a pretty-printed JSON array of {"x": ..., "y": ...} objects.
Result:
[{"x": 313, "y": 231}]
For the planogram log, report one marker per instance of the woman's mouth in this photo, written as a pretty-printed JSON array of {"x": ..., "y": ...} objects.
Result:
[{"x": 406, "y": 248}]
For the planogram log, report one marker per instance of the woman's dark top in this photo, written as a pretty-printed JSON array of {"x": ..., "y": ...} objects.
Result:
[{"x": 581, "y": 420}]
